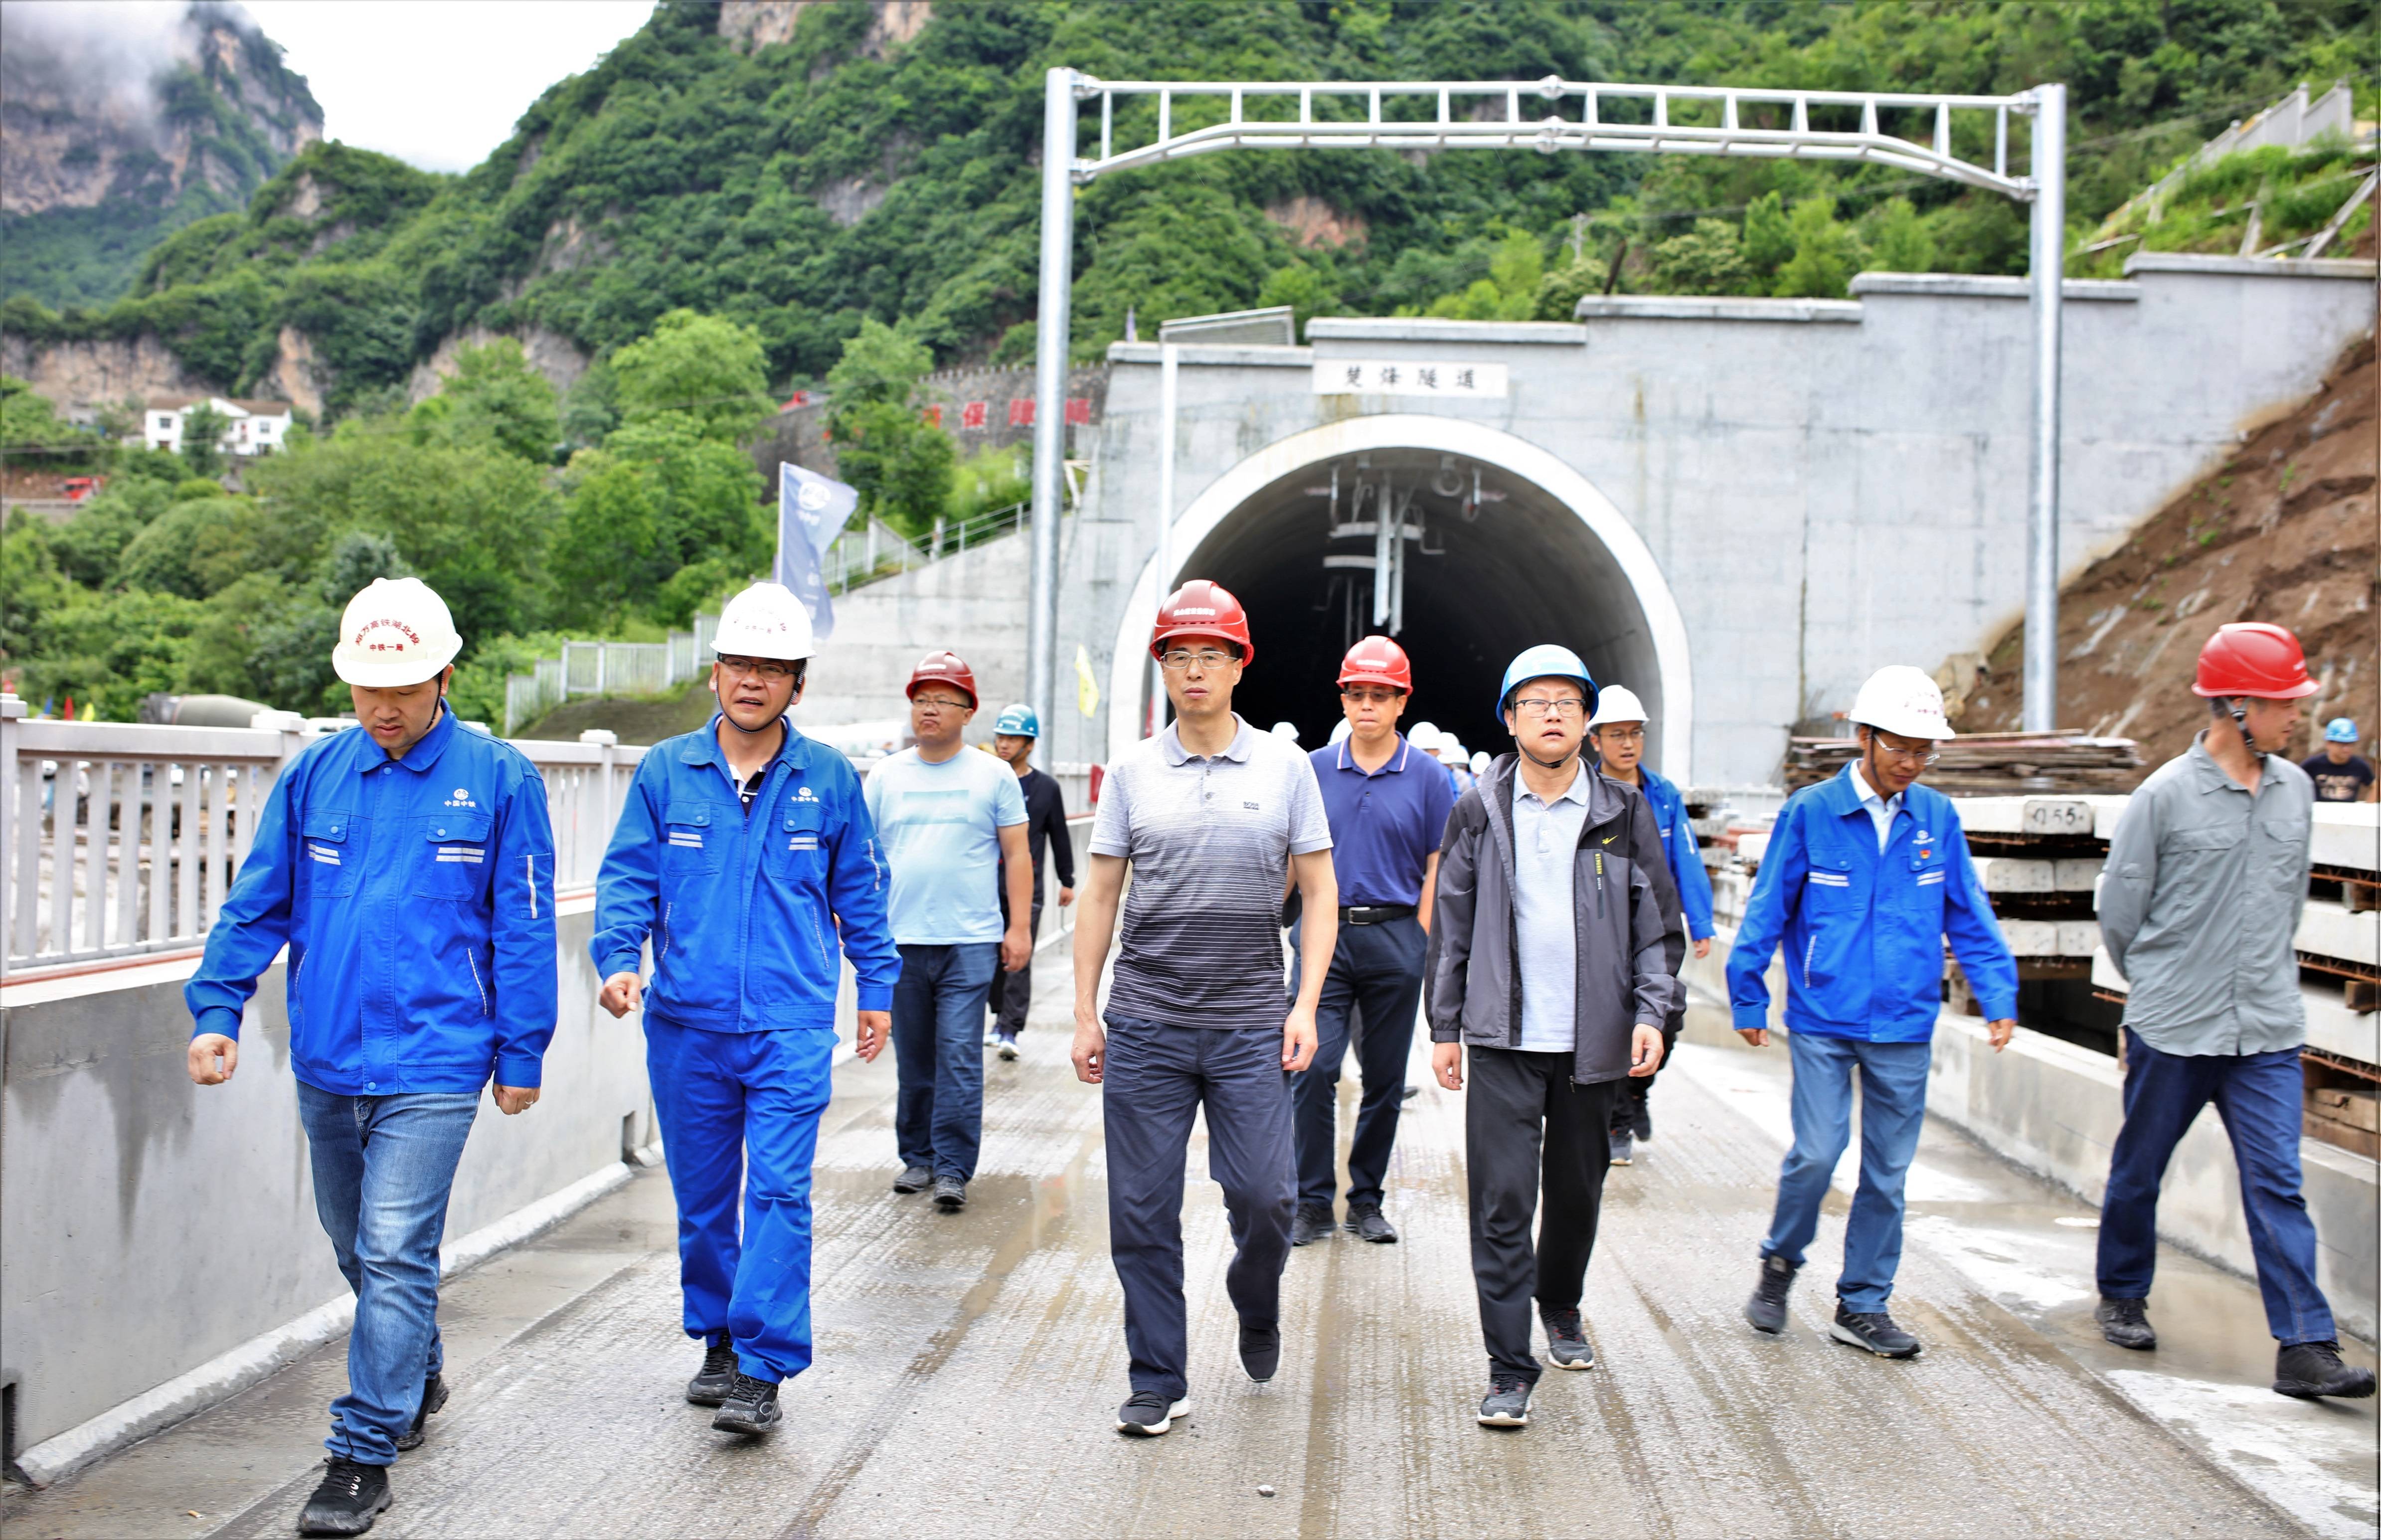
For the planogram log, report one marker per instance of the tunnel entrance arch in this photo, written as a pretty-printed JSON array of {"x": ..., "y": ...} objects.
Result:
[{"x": 1543, "y": 557}]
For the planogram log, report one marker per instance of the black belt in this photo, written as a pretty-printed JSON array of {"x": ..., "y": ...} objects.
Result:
[{"x": 1374, "y": 914}]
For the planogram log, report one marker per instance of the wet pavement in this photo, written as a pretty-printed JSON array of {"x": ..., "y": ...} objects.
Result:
[{"x": 969, "y": 1365}]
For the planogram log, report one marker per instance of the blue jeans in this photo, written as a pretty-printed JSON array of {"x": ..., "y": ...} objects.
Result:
[
  {"x": 721, "y": 1094},
  {"x": 1893, "y": 1110},
  {"x": 2262, "y": 1099},
  {"x": 1376, "y": 980},
  {"x": 938, "y": 1054},
  {"x": 383, "y": 1167},
  {"x": 1157, "y": 1078}
]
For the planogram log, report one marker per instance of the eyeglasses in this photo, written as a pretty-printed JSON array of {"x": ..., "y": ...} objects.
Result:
[
  {"x": 768, "y": 669},
  {"x": 1371, "y": 697},
  {"x": 1620, "y": 734},
  {"x": 1538, "y": 705},
  {"x": 1182, "y": 658},
  {"x": 945, "y": 701},
  {"x": 1922, "y": 756}
]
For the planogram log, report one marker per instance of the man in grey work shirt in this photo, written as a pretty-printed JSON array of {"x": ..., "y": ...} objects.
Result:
[{"x": 2205, "y": 879}]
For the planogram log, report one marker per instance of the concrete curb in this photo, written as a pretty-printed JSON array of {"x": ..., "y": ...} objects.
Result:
[{"x": 228, "y": 1374}]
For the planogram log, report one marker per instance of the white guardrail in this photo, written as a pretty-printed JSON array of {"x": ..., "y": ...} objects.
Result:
[{"x": 122, "y": 838}]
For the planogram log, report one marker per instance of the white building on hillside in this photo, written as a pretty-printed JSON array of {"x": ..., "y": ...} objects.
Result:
[{"x": 250, "y": 428}]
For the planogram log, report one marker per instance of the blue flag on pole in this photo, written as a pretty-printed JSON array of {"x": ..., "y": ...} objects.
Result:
[{"x": 812, "y": 510}]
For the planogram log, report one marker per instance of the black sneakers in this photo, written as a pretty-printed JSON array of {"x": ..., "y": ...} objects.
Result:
[
  {"x": 710, "y": 1387},
  {"x": 1310, "y": 1224},
  {"x": 1873, "y": 1330},
  {"x": 751, "y": 1407},
  {"x": 350, "y": 1497},
  {"x": 1507, "y": 1405},
  {"x": 2309, "y": 1370},
  {"x": 1641, "y": 1125},
  {"x": 1366, "y": 1222},
  {"x": 1260, "y": 1351},
  {"x": 1149, "y": 1414},
  {"x": 1624, "y": 1150},
  {"x": 913, "y": 1179},
  {"x": 2126, "y": 1323},
  {"x": 1766, "y": 1309},
  {"x": 434, "y": 1397},
  {"x": 1566, "y": 1341},
  {"x": 950, "y": 1194}
]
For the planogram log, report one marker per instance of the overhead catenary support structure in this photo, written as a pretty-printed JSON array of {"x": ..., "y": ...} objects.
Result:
[{"x": 1871, "y": 127}]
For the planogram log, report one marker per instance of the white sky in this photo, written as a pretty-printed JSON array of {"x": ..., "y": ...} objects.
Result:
[{"x": 438, "y": 82}]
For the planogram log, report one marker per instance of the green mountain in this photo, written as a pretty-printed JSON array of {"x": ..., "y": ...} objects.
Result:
[
  {"x": 801, "y": 167},
  {"x": 113, "y": 134}
]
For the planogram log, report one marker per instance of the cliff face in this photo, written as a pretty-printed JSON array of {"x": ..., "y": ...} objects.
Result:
[{"x": 115, "y": 131}]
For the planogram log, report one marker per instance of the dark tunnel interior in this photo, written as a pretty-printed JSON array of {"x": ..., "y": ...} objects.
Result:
[{"x": 1499, "y": 566}]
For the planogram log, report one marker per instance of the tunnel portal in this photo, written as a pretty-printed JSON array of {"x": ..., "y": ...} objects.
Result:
[{"x": 1492, "y": 564}]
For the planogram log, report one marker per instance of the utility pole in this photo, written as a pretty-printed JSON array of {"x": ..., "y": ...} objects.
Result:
[
  {"x": 1050, "y": 329},
  {"x": 2048, "y": 261}
]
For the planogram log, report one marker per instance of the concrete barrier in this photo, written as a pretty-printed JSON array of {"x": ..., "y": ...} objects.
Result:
[
  {"x": 158, "y": 1243},
  {"x": 2055, "y": 1108}
]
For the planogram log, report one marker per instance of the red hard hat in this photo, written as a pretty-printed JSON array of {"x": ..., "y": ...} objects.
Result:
[
  {"x": 1201, "y": 608},
  {"x": 943, "y": 668},
  {"x": 2252, "y": 658},
  {"x": 1378, "y": 660}
]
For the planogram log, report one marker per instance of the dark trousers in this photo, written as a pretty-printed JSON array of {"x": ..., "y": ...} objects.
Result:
[
  {"x": 1011, "y": 993},
  {"x": 1630, "y": 1096},
  {"x": 1527, "y": 1129},
  {"x": 938, "y": 1054},
  {"x": 1375, "y": 977},
  {"x": 1156, "y": 1080},
  {"x": 2262, "y": 1099}
]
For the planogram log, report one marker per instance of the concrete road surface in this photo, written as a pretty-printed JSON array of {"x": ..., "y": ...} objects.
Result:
[{"x": 969, "y": 1367}]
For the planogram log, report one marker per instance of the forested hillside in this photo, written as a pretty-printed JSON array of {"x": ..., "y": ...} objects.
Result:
[{"x": 802, "y": 168}]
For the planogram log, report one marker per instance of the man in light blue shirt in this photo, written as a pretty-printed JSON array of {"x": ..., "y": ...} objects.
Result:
[{"x": 949, "y": 818}]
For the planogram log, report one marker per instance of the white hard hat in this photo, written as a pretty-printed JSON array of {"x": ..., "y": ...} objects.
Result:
[
  {"x": 1340, "y": 730},
  {"x": 1480, "y": 762},
  {"x": 1904, "y": 700},
  {"x": 1287, "y": 730},
  {"x": 1425, "y": 735},
  {"x": 395, "y": 633},
  {"x": 1617, "y": 704},
  {"x": 765, "y": 621}
]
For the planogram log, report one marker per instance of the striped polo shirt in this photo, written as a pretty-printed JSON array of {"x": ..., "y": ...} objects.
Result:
[{"x": 1210, "y": 839}]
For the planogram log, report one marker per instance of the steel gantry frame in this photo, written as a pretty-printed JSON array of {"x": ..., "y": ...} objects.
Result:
[{"x": 1572, "y": 114}]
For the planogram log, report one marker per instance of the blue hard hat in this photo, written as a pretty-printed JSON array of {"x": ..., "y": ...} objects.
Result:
[
  {"x": 1018, "y": 721},
  {"x": 1544, "y": 661},
  {"x": 2339, "y": 729}
]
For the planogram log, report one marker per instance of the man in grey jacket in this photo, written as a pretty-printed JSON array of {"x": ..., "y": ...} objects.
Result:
[
  {"x": 2199, "y": 907},
  {"x": 1552, "y": 960}
]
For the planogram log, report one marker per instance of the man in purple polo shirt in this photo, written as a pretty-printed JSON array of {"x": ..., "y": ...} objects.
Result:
[{"x": 1388, "y": 802}]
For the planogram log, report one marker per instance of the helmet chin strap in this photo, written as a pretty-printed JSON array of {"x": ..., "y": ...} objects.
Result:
[
  {"x": 2241, "y": 721},
  {"x": 1547, "y": 763}
]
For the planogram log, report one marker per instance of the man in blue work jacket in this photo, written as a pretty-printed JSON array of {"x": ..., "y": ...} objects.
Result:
[
  {"x": 407, "y": 865},
  {"x": 1865, "y": 876},
  {"x": 745, "y": 855},
  {"x": 1617, "y": 731}
]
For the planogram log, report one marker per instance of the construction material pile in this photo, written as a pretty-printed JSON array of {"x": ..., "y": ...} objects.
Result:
[{"x": 1986, "y": 765}]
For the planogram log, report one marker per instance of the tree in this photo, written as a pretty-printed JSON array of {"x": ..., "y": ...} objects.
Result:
[
  {"x": 657, "y": 498},
  {"x": 899, "y": 463},
  {"x": 494, "y": 397},
  {"x": 1899, "y": 242},
  {"x": 1768, "y": 236},
  {"x": 1826, "y": 254},
  {"x": 1708, "y": 259},
  {"x": 702, "y": 367},
  {"x": 202, "y": 432}
]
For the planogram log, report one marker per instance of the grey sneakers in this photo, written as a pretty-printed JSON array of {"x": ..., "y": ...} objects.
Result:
[
  {"x": 1766, "y": 1309},
  {"x": 950, "y": 1194},
  {"x": 751, "y": 1407},
  {"x": 711, "y": 1383},
  {"x": 1873, "y": 1331},
  {"x": 1507, "y": 1405},
  {"x": 913, "y": 1179},
  {"x": 1566, "y": 1341},
  {"x": 1148, "y": 1414}
]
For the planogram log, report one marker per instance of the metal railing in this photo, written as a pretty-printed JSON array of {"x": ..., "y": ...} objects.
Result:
[
  {"x": 608, "y": 669},
  {"x": 123, "y": 838}
]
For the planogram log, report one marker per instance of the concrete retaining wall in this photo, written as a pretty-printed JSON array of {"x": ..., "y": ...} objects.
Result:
[
  {"x": 149, "y": 1227},
  {"x": 972, "y": 604},
  {"x": 2054, "y": 1109}
]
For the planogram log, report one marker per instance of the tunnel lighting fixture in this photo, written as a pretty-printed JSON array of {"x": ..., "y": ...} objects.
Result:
[{"x": 1911, "y": 131}]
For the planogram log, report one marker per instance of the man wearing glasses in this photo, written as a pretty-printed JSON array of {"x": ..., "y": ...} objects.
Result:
[
  {"x": 744, "y": 855},
  {"x": 1617, "y": 731},
  {"x": 953, "y": 822},
  {"x": 1213, "y": 817},
  {"x": 1387, "y": 803},
  {"x": 1552, "y": 967},
  {"x": 1865, "y": 876}
]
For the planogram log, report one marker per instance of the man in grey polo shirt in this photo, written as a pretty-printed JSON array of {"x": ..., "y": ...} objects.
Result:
[
  {"x": 1213, "y": 817},
  {"x": 2206, "y": 875}
]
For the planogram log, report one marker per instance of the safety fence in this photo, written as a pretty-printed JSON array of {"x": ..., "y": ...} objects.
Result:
[{"x": 122, "y": 838}]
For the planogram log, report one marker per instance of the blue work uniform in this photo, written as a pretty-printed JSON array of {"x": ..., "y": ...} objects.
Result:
[
  {"x": 416, "y": 899},
  {"x": 1684, "y": 858},
  {"x": 746, "y": 909},
  {"x": 1864, "y": 928}
]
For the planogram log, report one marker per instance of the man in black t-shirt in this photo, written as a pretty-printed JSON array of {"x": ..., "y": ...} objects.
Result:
[
  {"x": 1045, "y": 826},
  {"x": 2339, "y": 772}
]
